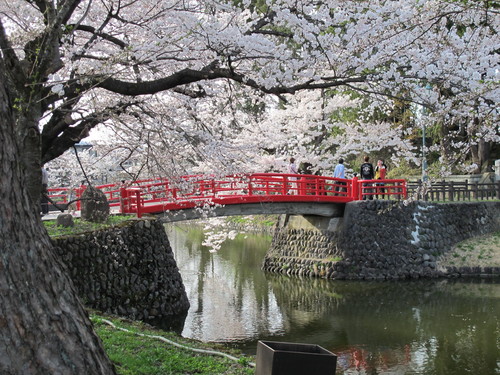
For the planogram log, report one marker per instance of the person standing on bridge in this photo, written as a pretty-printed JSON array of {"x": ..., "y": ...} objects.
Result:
[
  {"x": 367, "y": 173},
  {"x": 380, "y": 172},
  {"x": 339, "y": 172},
  {"x": 292, "y": 169}
]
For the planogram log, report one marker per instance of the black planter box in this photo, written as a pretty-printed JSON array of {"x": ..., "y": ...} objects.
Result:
[{"x": 284, "y": 358}]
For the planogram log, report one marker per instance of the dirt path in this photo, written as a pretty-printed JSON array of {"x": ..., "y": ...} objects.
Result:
[{"x": 483, "y": 251}]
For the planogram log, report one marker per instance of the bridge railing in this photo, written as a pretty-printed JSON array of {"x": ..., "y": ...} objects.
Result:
[
  {"x": 382, "y": 189},
  {"x": 301, "y": 185},
  {"x": 59, "y": 195},
  {"x": 161, "y": 194}
]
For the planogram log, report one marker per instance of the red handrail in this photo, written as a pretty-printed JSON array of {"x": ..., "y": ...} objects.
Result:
[{"x": 161, "y": 194}]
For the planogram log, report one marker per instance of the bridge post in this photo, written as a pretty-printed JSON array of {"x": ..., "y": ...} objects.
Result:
[
  {"x": 123, "y": 199},
  {"x": 302, "y": 184},
  {"x": 212, "y": 185},
  {"x": 138, "y": 203},
  {"x": 321, "y": 186},
  {"x": 128, "y": 197},
  {"x": 355, "y": 189},
  {"x": 79, "y": 193}
]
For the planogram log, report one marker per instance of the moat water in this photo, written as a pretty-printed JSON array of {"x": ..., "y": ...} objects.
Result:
[{"x": 441, "y": 327}]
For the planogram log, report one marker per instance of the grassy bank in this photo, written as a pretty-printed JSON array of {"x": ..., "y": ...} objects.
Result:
[
  {"x": 143, "y": 350},
  {"x": 82, "y": 226},
  {"x": 480, "y": 251}
]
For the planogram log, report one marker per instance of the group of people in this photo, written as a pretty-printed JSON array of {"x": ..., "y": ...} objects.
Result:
[
  {"x": 367, "y": 172},
  {"x": 305, "y": 168}
]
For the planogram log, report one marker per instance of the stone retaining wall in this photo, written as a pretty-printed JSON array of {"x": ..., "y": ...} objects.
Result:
[
  {"x": 127, "y": 270},
  {"x": 380, "y": 240}
]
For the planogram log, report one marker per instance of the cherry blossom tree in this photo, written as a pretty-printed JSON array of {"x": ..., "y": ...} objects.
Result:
[{"x": 67, "y": 66}]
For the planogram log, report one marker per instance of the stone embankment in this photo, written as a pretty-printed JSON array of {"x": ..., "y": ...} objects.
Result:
[
  {"x": 381, "y": 240},
  {"x": 128, "y": 270}
]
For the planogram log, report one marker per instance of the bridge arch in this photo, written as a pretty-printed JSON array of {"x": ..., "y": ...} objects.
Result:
[{"x": 329, "y": 210}]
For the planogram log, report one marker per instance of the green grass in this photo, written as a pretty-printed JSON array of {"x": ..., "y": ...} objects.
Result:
[
  {"x": 466, "y": 247},
  {"x": 136, "y": 355},
  {"x": 82, "y": 226},
  {"x": 460, "y": 201}
]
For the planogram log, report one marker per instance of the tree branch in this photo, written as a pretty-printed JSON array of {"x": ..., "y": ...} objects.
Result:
[
  {"x": 68, "y": 136},
  {"x": 102, "y": 35},
  {"x": 187, "y": 76}
]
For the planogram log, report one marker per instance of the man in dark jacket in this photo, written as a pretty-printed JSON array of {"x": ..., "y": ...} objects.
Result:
[{"x": 367, "y": 173}]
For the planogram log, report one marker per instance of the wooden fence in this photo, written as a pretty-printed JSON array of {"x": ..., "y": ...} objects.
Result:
[{"x": 453, "y": 191}]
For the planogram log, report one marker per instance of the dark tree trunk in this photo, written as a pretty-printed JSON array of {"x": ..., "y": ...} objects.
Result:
[
  {"x": 29, "y": 137},
  {"x": 43, "y": 327},
  {"x": 480, "y": 150},
  {"x": 480, "y": 155}
]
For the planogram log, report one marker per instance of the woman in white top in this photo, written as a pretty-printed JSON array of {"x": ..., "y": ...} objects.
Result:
[{"x": 292, "y": 169}]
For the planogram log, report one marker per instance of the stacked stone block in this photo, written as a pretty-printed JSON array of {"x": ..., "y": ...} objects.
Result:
[{"x": 128, "y": 270}]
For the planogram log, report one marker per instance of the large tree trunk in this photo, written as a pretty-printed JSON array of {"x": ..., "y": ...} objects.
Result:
[
  {"x": 480, "y": 155},
  {"x": 480, "y": 149},
  {"x": 43, "y": 327}
]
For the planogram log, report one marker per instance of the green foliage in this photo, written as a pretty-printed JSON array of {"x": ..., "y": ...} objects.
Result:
[
  {"x": 258, "y": 220},
  {"x": 432, "y": 132},
  {"x": 347, "y": 114},
  {"x": 411, "y": 171},
  {"x": 82, "y": 226},
  {"x": 138, "y": 355},
  {"x": 250, "y": 106},
  {"x": 259, "y": 6},
  {"x": 404, "y": 170}
]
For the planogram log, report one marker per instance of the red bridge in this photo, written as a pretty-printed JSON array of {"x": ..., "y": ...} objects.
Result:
[{"x": 297, "y": 193}]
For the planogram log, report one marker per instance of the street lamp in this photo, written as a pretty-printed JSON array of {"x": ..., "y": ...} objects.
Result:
[
  {"x": 424, "y": 159},
  {"x": 422, "y": 118}
]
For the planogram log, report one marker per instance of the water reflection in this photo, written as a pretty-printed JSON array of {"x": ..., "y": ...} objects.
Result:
[
  {"x": 229, "y": 295},
  {"x": 425, "y": 327},
  {"x": 437, "y": 327}
]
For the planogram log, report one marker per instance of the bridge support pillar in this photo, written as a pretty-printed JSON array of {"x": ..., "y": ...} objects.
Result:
[
  {"x": 304, "y": 245},
  {"x": 310, "y": 222}
]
